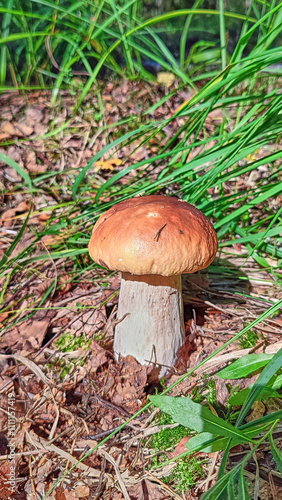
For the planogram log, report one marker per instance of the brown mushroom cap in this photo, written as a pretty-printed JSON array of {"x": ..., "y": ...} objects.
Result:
[{"x": 153, "y": 235}]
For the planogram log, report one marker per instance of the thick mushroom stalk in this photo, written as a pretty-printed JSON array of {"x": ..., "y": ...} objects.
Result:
[
  {"x": 150, "y": 319},
  {"x": 152, "y": 240}
]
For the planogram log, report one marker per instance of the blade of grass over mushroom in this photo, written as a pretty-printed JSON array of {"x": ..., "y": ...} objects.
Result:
[{"x": 182, "y": 173}]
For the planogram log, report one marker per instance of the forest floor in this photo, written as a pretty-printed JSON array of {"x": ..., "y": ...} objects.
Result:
[{"x": 58, "y": 316}]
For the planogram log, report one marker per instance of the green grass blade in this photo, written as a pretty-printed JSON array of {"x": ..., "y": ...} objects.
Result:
[
  {"x": 193, "y": 415},
  {"x": 5, "y": 32},
  {"x": 222, "y": 35},
  {"x": 15, "y": 241},
  {"x": 5, "y": 159},
  {"x": 105, "y": 149},
  {"x": 244, "y": 366},
  {"x": 271, "y": 368},
  {"x": 276, "y": 453}
]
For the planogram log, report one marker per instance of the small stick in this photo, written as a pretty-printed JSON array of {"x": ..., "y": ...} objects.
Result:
[{"x": 156, "y": 238}]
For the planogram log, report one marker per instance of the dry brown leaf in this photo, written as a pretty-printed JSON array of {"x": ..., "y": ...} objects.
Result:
[
  {"x": 34, "y": 329},
  {"x": 68, "y": 496},
  {"x": 82, "y": 491},
  {"x": 146, "y": 489},
  {"x": 44, "y": 216},
  {"x": 31, "y": 164},
  {"x": 124, "y": 393},
  {"x": 40, "y": 129},
  {"x": 8, "y": 216},
  {"x": 215, "y": 116},
  {"x": 7, "y": 130},
  {"x": 23, "y": 129},
  {"x": 180, "y": 447},
  {"x": 3, "y": 316},
  {"x": 23, "y": 206},
  {"x": 30, "y": 364},
  {"x": 90, "y": 443},
  {"x": 107, "y": 164},
  {"x": 60, "y": 494},
  {"x": 98, "y": 356},
  {"x": 5, "y": 491},
  {"x": 33, "y": 114},
  {"x": 257, "y": 411},
  {"x": 165, "y": 78},
  {"x": 52, "y": 239}
]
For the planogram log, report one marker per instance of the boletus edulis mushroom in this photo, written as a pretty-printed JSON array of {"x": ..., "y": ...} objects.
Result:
[{"x": 152, "y": 240}]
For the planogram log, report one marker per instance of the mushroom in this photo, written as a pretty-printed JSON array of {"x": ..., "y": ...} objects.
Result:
[{"x": 152, "y": 240}]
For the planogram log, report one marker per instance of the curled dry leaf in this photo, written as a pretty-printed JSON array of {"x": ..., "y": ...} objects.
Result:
[
  {"x": 22, "y": 129},
  {"x": 257, "y": 411},
  {"x": 5, "y": 491},
  {"x": 98, "y": 356},
  {"x": 33, "y": 114},
  {"x": 82, "y": 491},
  {"x": 30, "y": 364},
  {"x": 147, "y": 489},
  {"x": 30, "y": 162},
  {"x": 39, "y": 442},
  {"x": 29, "y": 335},
  {"x": 180, "y": 448}
]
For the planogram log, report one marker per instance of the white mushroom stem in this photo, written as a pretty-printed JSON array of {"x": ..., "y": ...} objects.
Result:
[{"x": 150, "y": 315}]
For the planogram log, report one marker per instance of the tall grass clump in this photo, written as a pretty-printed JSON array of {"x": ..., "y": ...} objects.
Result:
[
  {"x": 202, "y": 164},
  {"x": 46, "y": 43}
]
